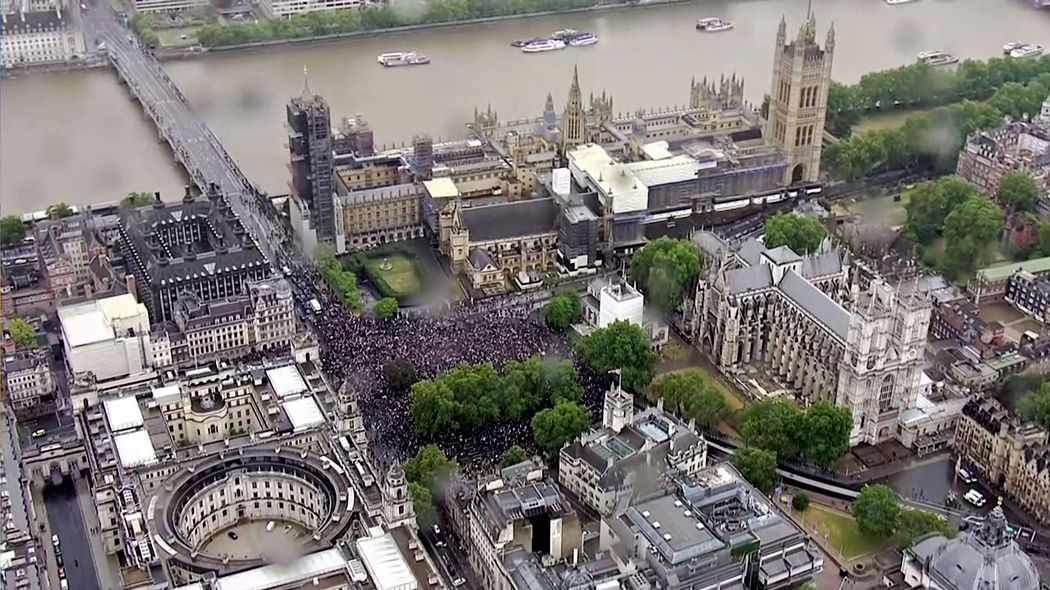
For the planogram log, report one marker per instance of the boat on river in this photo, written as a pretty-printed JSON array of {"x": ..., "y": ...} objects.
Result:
[
  {"x": 402, "y": 58},
  {"x": 583, "y": 40},
  {"x": 544, "y": 45},
  {"x": 1027, "y": 50},
  {"x": 937, "y": 58},
  {"x": 713, "y": 24}
]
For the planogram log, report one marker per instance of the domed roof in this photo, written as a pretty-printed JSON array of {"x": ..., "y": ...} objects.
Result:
[{"x": 986, "y": 559}]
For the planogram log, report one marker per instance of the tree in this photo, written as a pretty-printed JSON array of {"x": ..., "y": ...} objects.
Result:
[
  {"x": 563, "y": 309},
  {"x": 429, "y": 467},
  {"x": 824, "y": 435},
  {"x": 434, "y": 408},
  {"x": 137, "y": 200},
  {"x": 554, "y": 427},
  {"x": 422, "y": 503},
  {"x": 400, "y": 374},
  {"x": 930, "y": 202},
  {"x": 758, "y": 466},
  {"x": 22, "y": 333},
  {"x": 620, "y": 345},
  {"x": 1035, "y": 406},
  {"x": 876, "y": 511},
  {"x": 915, "y": 523},
  {"x": 1018, "y": 191},
  {"x": 385, "y": 307},
  {"x": 12, "y": 230},
  {"x": 664, "y": 268},
  {"x": 59, "y": 210},
  {"x": 691, "y": 396},
  {"x": 513, "y": 456},
  {"x": 772, "y": 424},
  {"x": 800, "y": 501},
  {"x": 801, "y": 233},
  {"x": 968, "y": 231}
]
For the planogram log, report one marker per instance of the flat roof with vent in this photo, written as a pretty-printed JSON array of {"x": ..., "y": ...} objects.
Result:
[
  {"x": 123, "y": 413},
  {"x": 385, "y": 563},
  {"x": 286, "y": 381}
]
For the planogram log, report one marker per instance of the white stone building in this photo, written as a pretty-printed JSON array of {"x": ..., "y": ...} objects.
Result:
[
  {"x": 286, "y": 8},
  {"x": 630, "y": 451},
  {"x": 28, "y": 387},
  {"x": 38, "y": 37},
  {"x": 612, "y": 299},
  {"x": 799, "y": 319},
  {"x": 109, "y": 337}
]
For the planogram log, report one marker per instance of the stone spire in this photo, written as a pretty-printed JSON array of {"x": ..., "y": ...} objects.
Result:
[
  {"x": 574, "y": 120},
  {"x": 781, "y": 33},
  {"x": 617, "y": 408},
  {"x": 829, "y": 43},
  {"x": 993, "y": 530},
  {"x": 306, "y": 95},
  {"x": 397, "y": 506},
  {"x": 1044, "y": 113}
]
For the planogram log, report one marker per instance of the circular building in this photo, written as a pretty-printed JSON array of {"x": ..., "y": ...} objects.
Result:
[
  {"x": 986, "y": 558},
  {"x": 248, "y": 507}
]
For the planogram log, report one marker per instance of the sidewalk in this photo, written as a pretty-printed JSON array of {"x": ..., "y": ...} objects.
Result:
[{"x": 105, "y": 568}]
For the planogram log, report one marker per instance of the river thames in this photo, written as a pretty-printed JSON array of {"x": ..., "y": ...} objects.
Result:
[{"x": 78, "y": 137}]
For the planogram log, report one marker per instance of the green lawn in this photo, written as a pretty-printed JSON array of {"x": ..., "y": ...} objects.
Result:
[
  {"x": 172, "y": 38},
  {"x": 890, "y": 119},
  {"x": 400, "y": 275},
  {"x": 845, "y": 537}
]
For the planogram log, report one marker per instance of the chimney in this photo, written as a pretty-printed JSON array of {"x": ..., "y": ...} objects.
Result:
[{"x": 129, "y": 282}]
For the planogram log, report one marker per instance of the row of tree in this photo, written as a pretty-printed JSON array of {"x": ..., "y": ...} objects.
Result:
[
  {"x": 951, "y": 207},
  {"x": 427, "y": 473},
  {"x": 563, "y": 310},
  {"x": 342, "y": 282},
  {"x": 930, "y": 141},
  {"x": 372, "y": 18},
  {"x": 922, "y": 85},
  {"x": 819, "y": 434},
  {"x": 878, "y": 515}
]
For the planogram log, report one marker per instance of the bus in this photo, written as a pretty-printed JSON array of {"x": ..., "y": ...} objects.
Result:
[{"x": 315, "y": 305}]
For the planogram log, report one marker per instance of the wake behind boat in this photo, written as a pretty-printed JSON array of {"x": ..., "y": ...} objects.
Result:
[
  {"x": 402, "y": 58},
  {"x": 544, "y": 45},
  {"x": 713, "y": 25}
]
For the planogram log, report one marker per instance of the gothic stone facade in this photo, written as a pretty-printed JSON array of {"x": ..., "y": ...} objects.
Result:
[{"x": 799, "y": 318}]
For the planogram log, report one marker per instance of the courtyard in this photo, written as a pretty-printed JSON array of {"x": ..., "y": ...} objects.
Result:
[
  {"x": 1016, "y": 323},
  {"x": 397, "y": 271},
  {"x": 284, "y": 541},
  {"x": 842, "y": 533}
]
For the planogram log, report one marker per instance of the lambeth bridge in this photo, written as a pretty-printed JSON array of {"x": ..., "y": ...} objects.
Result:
[{"x": 194, "y": 145}]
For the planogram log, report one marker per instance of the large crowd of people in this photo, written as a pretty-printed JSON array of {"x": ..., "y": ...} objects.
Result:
[{"x": 356, "y": 348}]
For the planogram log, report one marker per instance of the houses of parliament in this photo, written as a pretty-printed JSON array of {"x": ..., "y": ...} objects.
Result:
[{"x": 568, "y": 190}]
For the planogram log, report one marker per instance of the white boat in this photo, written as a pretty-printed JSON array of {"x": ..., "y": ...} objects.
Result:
[
  {"x": 584, "y": 39},
  {"x": 713, "y": 24},
  {"x": 402, "y": 58},
  {"x": 925, "y": 55},
  {"x": 1027, "y": 50},
  {"x": 564, "y": 34},
  {"x": 545, "y": 45},
  {"x": 1008, "y": 47},
  {"x": 898, "y": 1},
  {"x": 943, "y": 59}
]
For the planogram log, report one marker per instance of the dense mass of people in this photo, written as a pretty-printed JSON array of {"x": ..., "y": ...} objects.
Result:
[{"x": 356, "y": 348}]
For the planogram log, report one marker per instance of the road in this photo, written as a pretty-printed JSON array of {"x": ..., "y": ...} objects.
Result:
[
  {"x": 194, "y": 145},
  {"x": 67, "y": 521}
]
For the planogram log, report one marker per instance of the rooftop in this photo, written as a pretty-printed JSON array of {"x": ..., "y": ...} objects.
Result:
[
  {"x": 1004, "y": 271},
  {"x": 123, "y": 413},
  {"x": 297, "y": 574},
  {"x": 286, "y": 381},
  {"x": 441, "y": 188},
  {"x": 529, "y": 217},
  {"x": 303, "y": 412},
  {"x": 135, "y": 449},
  {"x": 385, "y": 563}
]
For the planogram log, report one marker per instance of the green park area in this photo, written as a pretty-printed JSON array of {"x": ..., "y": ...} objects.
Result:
[
  {"x": 882, "y": 120},
  {"x": 394, "y": 275},
  {"x": 844, "y": 535}
]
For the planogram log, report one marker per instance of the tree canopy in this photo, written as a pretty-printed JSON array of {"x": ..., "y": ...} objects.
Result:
[
  {"x": 563, "y": 309},
  {"x": 930, "y": 202},
  {"x": 400, "y": 374},
  {"x": 1035, "y": 406},
  {"x": 800, "y": 501},
  {"x": 1018, "y": 191},
  {"x": 801, "y": 233},
  {"x": 688, "y": 394},
  {"x": 59, "y": 210},
  {"x": 12, "y": 230},
  {"x": 664, "y": 269},
  {"x": 23, "y": 335},
  {"x": 513, "y": 456},
  {"x": 137, "y": 199},
  {"x": 914, "y": 523},
  {"x": 429, "y": 467},
  {"x": 772, "y": 425},
  {"x": 385, "y": 307},
  {"x": 620, "y": 345},
  {"x": 876, "y": 511},
  {"x": 818, "y": 435},
  {"x": 422, "y": 503},
  {"x": 554, "y": 427},
  {"x": 471, "y": 396},
  {"x": 758, "y": 466},
  {"x": 969, "y": 230},
  {"x": 825, "y": 432}
]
